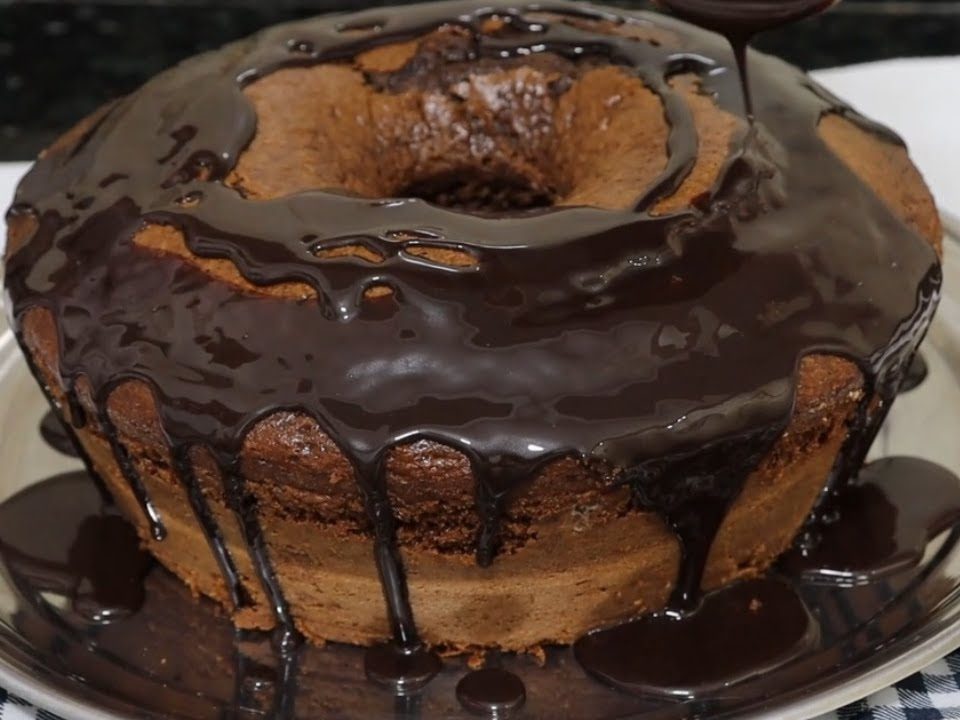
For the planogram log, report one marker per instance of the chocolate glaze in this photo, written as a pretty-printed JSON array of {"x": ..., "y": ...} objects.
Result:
[
  {"x": 737, "y": 632},
  {"x": 59, "y": 540},
  {"x": 201, "y": 509},
  {"x": 56, "y": 435},
  {"x": 92, "y": 559},
  {"x": 683, "y": 426},
  {"x": 129, "y": 469},
  {"x": 875, "y": 528},
  {"x": 493, "y": 692},
  {"x": 244, "y": 506},
  {"x": 879, "y": 523},
  {"x": 916, "y": 373},
  {"x": 265, "y": 676}
]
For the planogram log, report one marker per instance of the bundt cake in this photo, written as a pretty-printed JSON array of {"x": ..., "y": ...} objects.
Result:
[{"x": 483, "y": 326}]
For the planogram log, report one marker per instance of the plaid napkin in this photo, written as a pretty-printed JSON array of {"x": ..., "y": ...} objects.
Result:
[
  {"x": 14, "y": 708},
  {"x": 933, "y": 694}
]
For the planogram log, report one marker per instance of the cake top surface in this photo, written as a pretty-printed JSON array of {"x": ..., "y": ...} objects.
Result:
[{"x": 524, "y": 233}]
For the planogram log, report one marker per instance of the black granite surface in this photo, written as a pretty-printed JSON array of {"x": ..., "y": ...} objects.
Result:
[{"x": 59, "y": 60}]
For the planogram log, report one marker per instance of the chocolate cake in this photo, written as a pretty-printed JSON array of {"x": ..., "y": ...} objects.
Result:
[{"x": 471, "y": 326}]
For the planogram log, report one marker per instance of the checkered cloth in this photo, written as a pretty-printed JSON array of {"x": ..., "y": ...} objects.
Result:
[
  {"x": 14, "y": 708},
  {"x": 933, "y": 694}
]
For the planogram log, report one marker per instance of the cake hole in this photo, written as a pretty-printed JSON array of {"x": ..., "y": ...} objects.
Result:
[
  {"x": 517, "y": 137},
  {"x": 478, "y": 190}
]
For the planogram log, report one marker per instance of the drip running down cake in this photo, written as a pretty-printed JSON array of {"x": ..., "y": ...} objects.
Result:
[{"x": 470, "y": 326}]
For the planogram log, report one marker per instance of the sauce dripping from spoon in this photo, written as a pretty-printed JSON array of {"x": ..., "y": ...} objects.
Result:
[{"x": 739, "y": 21}]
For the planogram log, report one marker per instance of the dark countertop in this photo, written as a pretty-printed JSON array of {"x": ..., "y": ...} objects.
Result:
[{"x": 59, "y": 61}]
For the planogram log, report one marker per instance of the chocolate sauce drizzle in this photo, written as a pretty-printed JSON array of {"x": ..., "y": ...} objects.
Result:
[
  {"x": 740, "y": 20},
  {"x": 183, "y": 468},
  {"x": 493, "y": 692},
  {"x": 770, "y": 269},
  {"x": 129, "y": 470}
]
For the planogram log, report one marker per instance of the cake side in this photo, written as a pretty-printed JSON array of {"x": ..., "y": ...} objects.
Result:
[
  {"x": 573, "y": 551},
  {"x": 575, "y": 555}
]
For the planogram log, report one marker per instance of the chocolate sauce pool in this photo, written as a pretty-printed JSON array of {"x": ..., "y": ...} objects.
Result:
[
  {"x": 736, "y": 633},
  {"x": 878, "y": 526},
  {"x": 93, "y": 606},
  {"x": 492, "y": 692},
  {"x": 683, "y": 425},
  {"x": 88, "y": 555}
]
